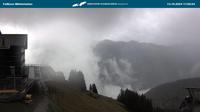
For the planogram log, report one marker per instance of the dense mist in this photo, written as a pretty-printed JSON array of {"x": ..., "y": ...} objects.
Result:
[{"x": 66, "y": 38}]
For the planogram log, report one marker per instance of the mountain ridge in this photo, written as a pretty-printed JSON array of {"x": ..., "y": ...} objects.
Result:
[{"x": 146, "y": 64}]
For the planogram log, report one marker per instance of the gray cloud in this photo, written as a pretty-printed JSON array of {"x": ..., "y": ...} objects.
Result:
[
  {"x": 90, "y": 18},
  {"x": 150, "y": 25}
]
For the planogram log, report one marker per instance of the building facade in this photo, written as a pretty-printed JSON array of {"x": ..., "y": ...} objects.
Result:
[{"x": 12, "y": 60}]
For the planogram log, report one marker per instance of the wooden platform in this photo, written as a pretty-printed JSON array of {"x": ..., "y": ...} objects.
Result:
[{"x": 8, "y": 91}]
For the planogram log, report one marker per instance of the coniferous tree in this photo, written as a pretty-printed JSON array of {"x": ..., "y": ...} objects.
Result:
[
  {"x": 90, "y": 88},
  {"x": 135, "y": 102},
  {"x": 82, "y": 81},
  {"x": 94, "y": 89},
  {"x": 76, "y": 79},
  {"x": 121, "y": 95}
]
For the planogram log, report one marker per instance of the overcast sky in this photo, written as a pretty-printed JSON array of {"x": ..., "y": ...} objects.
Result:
[
  {"x": 63, "y": 38},
  {"x": 150, "y": 25}
]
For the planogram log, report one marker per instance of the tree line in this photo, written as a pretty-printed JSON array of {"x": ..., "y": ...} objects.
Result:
[{"x": 136, "y": 103}]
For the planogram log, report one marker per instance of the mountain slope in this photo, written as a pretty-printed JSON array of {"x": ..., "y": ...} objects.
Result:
[
  {"x": 72, "y": 100},
  {"x": 170, "y": 95}
]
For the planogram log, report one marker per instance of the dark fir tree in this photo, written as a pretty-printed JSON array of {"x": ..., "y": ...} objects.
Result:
[
  {"x": 90, "y": 88},
  {"x": 94, "y": 89}
]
